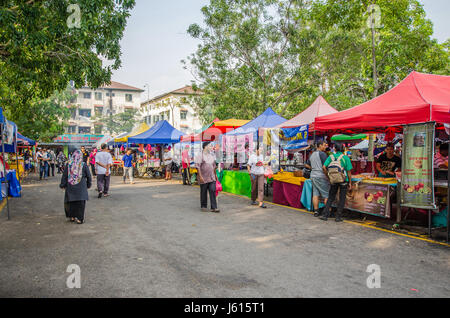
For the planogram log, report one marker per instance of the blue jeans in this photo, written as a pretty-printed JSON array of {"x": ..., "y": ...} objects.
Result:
[{"x": 43, "y": 170}]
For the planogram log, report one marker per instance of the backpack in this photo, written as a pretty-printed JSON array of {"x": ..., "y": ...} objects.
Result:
[{"x": 335, "y": 170}]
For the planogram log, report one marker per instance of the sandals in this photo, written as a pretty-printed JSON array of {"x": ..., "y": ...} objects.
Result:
[
  {"x": 79, "y": 222},
  {"x": 263, "y": 206}
]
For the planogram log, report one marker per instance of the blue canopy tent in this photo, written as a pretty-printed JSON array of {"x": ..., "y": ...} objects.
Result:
[
  {"x": 267, "y": 119},
  {"x": 22, "y": 140},
  {"x": 161, "y": 133}
]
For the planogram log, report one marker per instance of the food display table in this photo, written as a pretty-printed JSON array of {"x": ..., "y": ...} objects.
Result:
[{"x": 287, "y": 189}]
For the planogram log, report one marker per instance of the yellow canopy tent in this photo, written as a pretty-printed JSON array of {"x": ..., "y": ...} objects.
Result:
[
  {"x": 142, "y": 127},
  {"x": 231, "y": 123}
]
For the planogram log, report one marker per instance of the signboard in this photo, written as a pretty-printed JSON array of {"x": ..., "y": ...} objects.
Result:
[
  {"x": 417, "y": 166},
  {"x": 371, "y": 199},
  {"x": 294, "y": 138},
  {"x": 78, "y": 138}
]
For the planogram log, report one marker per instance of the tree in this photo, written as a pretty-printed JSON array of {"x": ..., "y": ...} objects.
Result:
[
  {"x": 254, "y": 54},
  {"x": 369, "y": 46},
  {"x": 37, "y": 121},
  {"x": 259, "y": 53},
  {"x": 45, "y": 44},
  {"x": 120, "y": 122}
]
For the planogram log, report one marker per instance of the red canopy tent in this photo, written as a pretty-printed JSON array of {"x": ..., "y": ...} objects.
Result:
[
  {"x": 320, "y": 107},
  {"x": 418, "y": 98}
]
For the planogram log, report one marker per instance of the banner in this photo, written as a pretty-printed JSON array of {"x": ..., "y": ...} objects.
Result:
[
  {"x": 371, "y": 199},
  {"x": 294, "y": 138},
  {"x": 417, "y": 166}
]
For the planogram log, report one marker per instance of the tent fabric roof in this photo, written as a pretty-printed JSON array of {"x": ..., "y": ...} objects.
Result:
[
  {"x": 142, "y": 127},
  {"x": 24, "y": 140},
  {"x": 214, "y": 131},
  {"x": 418, "y": 98},
  {"x": 161, "y": 133},
  {"x": 268, "y": 119},
  {"x": 104, "y": 140},
  {"x": 231, "y": 123},
  {"x": 319, "y": 107}
]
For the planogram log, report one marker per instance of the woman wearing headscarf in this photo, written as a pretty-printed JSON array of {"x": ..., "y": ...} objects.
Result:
[{"x": 76, "y": 180}]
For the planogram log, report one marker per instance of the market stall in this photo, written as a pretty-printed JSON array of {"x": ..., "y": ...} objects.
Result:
[
  {"x": 419, "y": 107},
  {"x": 10, "y": 185},
  {"x": 236, "y": 146},
  {"x": 162, "y": 133}
]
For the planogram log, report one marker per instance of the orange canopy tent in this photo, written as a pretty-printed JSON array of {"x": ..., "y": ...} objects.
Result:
[{"x": 216, "y": 129}]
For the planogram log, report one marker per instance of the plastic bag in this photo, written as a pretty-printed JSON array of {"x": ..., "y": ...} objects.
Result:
[
  {"x": 218, "y": 187},
  {"x": 268, "y": 173}
]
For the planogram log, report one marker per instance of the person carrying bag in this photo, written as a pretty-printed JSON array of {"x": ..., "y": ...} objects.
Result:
[{"x": 337, "y": 168}]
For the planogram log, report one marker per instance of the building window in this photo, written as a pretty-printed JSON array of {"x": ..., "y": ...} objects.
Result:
[
  {"x": 71, "y": 129},
  {"x": 73, "y": 113},
  {"x": 129, "y": 97},
  {"x": 98, "y": 111},
  {"x": 161, "y": 116},
  {"x": 87, "y": 95},
  {"x": 84, "y": 130},
  {"x": 113, "y": 95},
  {"x": 85, "y": 112},
  {"x": 155, "y": 118},
  {"x": 98, "y": 129},
  {"x": 149, "y": 119},
  {"x": 183, "y": 115},
  {"x": 98, "y": 96}
]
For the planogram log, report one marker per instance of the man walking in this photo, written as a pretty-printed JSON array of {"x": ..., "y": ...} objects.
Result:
[
  {"x": 320, "y": 183},
  {"x": 40, "y": 156},
  {"x": 52, "y": 161},
  {"x": 128, "y": 164},
  {"x": 103, "y": 163},
  {"x": 85, "y": 155},
  {"x": 338, "y": 169},
  {"x": 207, "y": 177}
]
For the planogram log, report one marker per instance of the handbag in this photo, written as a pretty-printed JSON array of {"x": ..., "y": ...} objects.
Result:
[{"x": 306, "y": 173}]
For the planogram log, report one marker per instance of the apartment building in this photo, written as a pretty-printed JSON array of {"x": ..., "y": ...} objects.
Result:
[
  {"x": 91, "y": 105},
  {"x": 176, "y": 107}
]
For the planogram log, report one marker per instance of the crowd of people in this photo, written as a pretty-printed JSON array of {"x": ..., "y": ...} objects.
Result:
[{"x": 330, "y": 174}]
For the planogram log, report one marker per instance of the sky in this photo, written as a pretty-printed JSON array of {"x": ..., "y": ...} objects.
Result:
[{"x": 155, "y": 41}]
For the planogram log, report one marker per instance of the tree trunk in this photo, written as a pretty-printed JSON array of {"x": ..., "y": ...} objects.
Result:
[{"x": 374, "y": 66}]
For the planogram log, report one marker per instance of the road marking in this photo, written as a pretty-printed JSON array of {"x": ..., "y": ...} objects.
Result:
[
  {"x": 367, "y": 224},
  {"x": 2, "y": 205}
]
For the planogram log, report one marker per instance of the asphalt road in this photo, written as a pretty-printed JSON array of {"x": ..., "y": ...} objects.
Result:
[{"x": 151, "y": 240}]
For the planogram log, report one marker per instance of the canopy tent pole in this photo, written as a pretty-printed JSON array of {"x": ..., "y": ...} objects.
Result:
[{"x": 4, "y": 166}]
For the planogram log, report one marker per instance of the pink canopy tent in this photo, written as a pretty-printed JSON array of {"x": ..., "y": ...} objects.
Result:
[{"x": 320, "y": 107}]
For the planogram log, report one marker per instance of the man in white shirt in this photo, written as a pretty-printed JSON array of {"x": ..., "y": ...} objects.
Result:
[
  {"x": 103, "y": 163},
  {"x": 255, "y": 166}
]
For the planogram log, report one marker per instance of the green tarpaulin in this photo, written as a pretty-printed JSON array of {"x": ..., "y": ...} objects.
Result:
[
  {"x": 346, "y": 137},
  {"x": 237, "y": 182}
]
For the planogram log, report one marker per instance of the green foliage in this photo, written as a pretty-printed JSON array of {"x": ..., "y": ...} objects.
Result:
[
  {"x": 119, "y": 123},
  {"x": 284, "y": 53},
  {"x": 40, "y": 53},
  {"x": 42, "y": 119}
]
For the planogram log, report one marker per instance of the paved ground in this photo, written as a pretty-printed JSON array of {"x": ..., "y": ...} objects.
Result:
[{"x": 151, "y": 240}]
